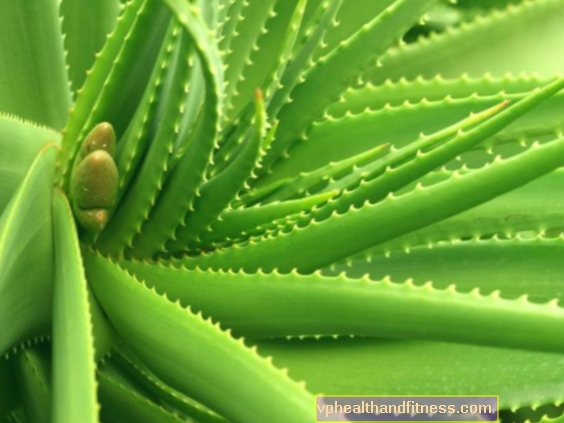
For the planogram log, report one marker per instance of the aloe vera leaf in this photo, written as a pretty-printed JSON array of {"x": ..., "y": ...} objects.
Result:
[
  {"x": 216, "y": 194},
  {"x": 143, "y": 190},
  {"x": 311, "y": 98},
  {"x": 268, "y": 77},
  {"x": 33, "y": 75},
  {"x": 374, "y": 97},
  {"x": 10, "y": 397},
  {"x": 520, "y": 210},
  {"x": 267, "y": 53},
  {"x": 74, "y": 383},
  {"x": 348, "y": 366},
  {"x": 20, "y": 141},
  {"x": 108, "y": 83},
  {"x": 306, "y": 182},
  {"x": 398, "y": 176},
  {"x": 193, "y": 355},
  {"x": 232, "y": 224},
  {"x": 473, "y": 264},
  {"x": 371, "y": 128},
  {"x": 321, "y": 243},
  {"x": 26, "y": 248},
  {"x": 351, "y": 17},
  {"x": 252, "y": 18},
  {"x": 188, "y": 173},
  {"x": 135, "y": 141},
  {"x": 304, "y": 51},
  {"x": 121, "y": 403},
  {"x": 232, "y": 15},
  {"x": 295, "y": 305},
  {"x": 149, "y": 381},
  {"x": 86, "y": 25},
  {"x": 33, "y": 373},
  {"x": 485, "y": 46}
]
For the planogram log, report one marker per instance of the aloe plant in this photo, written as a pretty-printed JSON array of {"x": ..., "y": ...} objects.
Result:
[{"x": 225, "y": 207}]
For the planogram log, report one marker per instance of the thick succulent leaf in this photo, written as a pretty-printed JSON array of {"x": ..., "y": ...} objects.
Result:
[
  {"x": 86, "y": 24},
  {"x": 266, "y": 53},
  {"x": 233, "y": 224},
  {"x": 193, "y": 355},
  {"x": 394, "y": 367},
  {"x": 351, "y": 17},
  {"x": 156, "y": 387},
  {"x": 34, "y": 379},
  {"x": 74, "y": 384},
  {"x": 132, "y": 146},
  {"x": 26, "y": 248},
  {"x": 530, "y": 266},
  {"x": 405, "y": 92},
  {"x": 321, "y": 87},
  {"x": 180, "y": 188},
  {"x": 33, "y": 74},
  {"x": 121, "y": 403},
  {"x": 492, "y": 44},
  {"x": 108, "y": 86},
  {"x": 293, "y": 305},
  {"x": 217, "y": 193},
  {"x": 246, "y": 31},
  {"x": 320, "y": 243},
  {"x": 307, "y": 45},
  {"x": 10, "y": 398},
  {"x": 20, "y": 142},
  {"x": 401, "y": 125},
  {"x": 142, "y": 191},
  {"x": 521, "y": 210}
]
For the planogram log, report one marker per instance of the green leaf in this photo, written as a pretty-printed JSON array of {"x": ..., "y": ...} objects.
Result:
[
  {"x": 295, "y": 305},
  {"x": 33, "y": 74},
  {"x": 138, "y": 371},
  {"x": 493, "y": 44},
  {"x": 394, "y": 367},
  {"x": 10, "y": 397},
  {"x": 74, "y": 384},
  {"x": 321, "y": 87},
  {"x": 139, "y": 197},
  {"x": 86, "y": 24},
  {"x": 26, "y": 248},
  {"x": 319, "y": 244},
  {"x": 108, "y": 85},
  {"x": 521, "y": 210},
  {"x": 34, "y": 378},
  {"x": 195, "y": 356},
  {"x": 187, "y": 174},
  {"x": 20, "y": 141},
  {"x": 530, "y": 266},
  {"x": 121, "y": 403}
]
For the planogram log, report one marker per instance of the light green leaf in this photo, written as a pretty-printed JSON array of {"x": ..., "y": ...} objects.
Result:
[
  {"x": 33, "y": 372},
  {"x": 194, "y": 355},
  {"x": 492, "y": 44},
  {"x": 26, "y": 248},
  {"x": 20, "y": 141},
  {"x": 86, "y": 24},
  {"x": 395, "y": 367},
  {"x": 33, "y": 74},
  {"x": 74, "y": 384}
]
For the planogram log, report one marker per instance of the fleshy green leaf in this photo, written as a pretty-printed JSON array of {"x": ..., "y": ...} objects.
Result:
[
  {"x": 26, "y": 248},
  {"x": 492, "y": 44},
  {"x": 33, "y": 74},
  {"x": 20, "y": 141},
  {"x": 195, "y": 356},
  {"x": 74, "y": 385},
  {"x": 86, "y": 24},
  {"x": 394, "y": 367}
]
